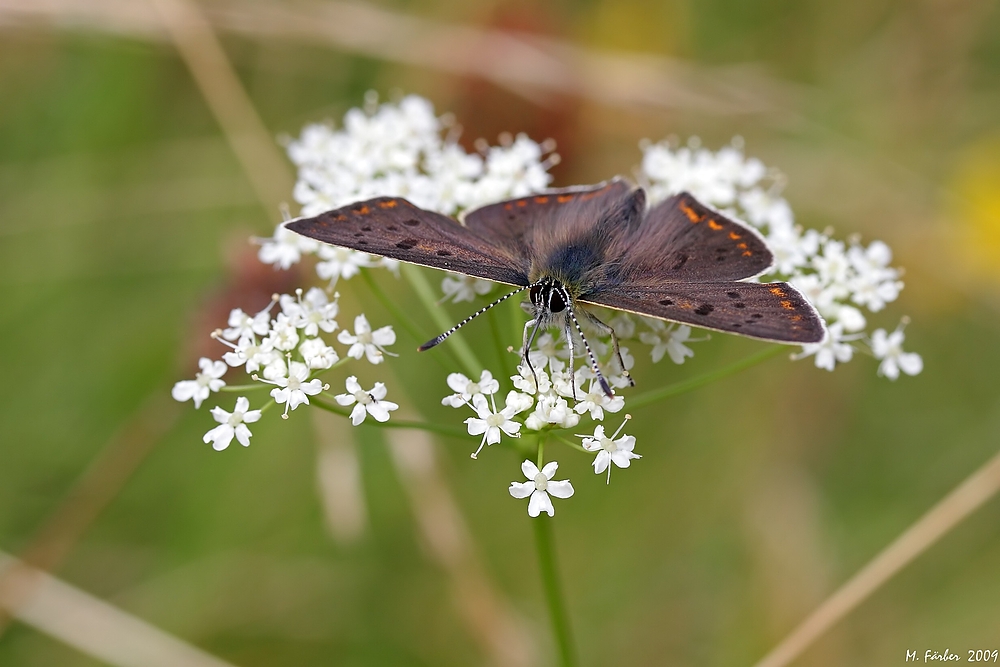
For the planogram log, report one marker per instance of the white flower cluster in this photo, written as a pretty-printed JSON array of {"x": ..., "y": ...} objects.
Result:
[
  {"x": 401, "y": 150},
  {"x": 286, "y": 350},
  {"x": 841, "y": 279},
  {"x": 548, "y": 397}
]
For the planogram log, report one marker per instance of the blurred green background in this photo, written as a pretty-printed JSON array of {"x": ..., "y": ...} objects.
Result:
[{"x": 123, "y": 225}]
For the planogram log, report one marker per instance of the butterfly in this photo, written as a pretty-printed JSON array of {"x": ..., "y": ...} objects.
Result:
[{"x": 592, "y": 245}]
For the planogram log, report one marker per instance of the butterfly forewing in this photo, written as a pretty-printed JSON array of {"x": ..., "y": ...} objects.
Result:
[
  {"x": 681, "y": 240},
  {"x": 770, "y": 311},
  {"x": 393, "y": 227}
]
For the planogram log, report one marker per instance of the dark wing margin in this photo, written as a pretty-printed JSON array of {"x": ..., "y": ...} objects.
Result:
[
  {"x": 769, "y": 311},
  {"x": 507, "y": 224},
  {"x": 393, "y": 227},
  {"x": 682, "y": 240}
]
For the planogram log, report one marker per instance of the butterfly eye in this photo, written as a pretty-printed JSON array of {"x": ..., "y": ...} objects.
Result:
[
  {"x": 556, "y": 302},
  {"x": 535, "y": 294}
]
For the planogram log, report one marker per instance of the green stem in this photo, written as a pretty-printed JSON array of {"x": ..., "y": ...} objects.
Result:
[
  {"x": 243, "y": 387},
  {"x": 570, "y": 443},
  {"x": 699, "y": 380},
  {"x": 442, "y": 319},
  {"x": 455, "y": 431},
  {"x": 553, "y": 592}
]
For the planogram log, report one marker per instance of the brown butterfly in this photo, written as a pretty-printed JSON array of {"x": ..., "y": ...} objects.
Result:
[{"x": 679, "y": 261}]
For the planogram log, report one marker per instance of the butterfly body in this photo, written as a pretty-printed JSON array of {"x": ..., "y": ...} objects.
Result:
[{"x": 679, "y": 260}]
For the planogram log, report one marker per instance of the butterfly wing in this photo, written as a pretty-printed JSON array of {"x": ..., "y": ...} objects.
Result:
[
  {"x": 514, "y": 225},
  {"x": 682, "y": 240},
  {"x": 393, "y": 227},
  {"x": 770, "y": 311}
]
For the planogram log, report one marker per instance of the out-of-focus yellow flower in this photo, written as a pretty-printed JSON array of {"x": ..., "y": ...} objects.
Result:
[{"x": 975, "y": 208}]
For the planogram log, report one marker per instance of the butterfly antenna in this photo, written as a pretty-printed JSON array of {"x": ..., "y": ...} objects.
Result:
[
  {"x": 440, "y": 339},
  {"x": 590, "y": 353}
]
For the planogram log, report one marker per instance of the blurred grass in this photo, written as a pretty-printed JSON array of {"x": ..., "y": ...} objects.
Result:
[{"x": 119, "y": 202}]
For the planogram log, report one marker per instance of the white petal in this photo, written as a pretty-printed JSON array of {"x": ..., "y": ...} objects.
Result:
[
  {"x": 358, "y": 414},
  {"x": 477, "y": 426},
  {"x": 250, "y": 416},
  {"x": 184, "y": 390},
  {"x": 561, "y": 489},
  {"x": 344, "y": 399},
  {"x": 528, "y": 468},
  {"x": 622, "y": 459},
  {"x": 312, "y": 387},
  {"x": 458, "y": 382},
  {"x": 601, "y": 461},
  {"x": 242, "y": 404},
  {"x": 521, "y": 489},
  {"x": 911, "y": 363},
  {"x": 352, "y": 385},
  {"x": 540, "y": 502},
  {"x": 220, "y": 415},
  {"x": 550, "y": 469},
  {"x": 243, "y": 435},
  {"x": 384, "y": 336},
  {"x": 378, "y": 392},
  {"x": 378, "y": 411}
]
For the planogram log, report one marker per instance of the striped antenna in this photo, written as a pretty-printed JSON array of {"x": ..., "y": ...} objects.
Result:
[
  {"x": 590, "y": 353},
  {"x": 440, "y": 339}
]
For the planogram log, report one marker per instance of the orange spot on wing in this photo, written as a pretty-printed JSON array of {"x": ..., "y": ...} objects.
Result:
[
  {"x": 777, "y": 291},
  {"x": 787, "y": 305},
  {"x": 341, "y": 217},
  {"x": 590, "y": 195},
  {"x": 734, "y": 236},
  {"x": 364, "y": 210},
  {"x": 508, "y": 206},
  {"x": 562, "y": 199},
  {"x": 714, "y": 225},
  {"x": 741, "y": 246},
  {"x": 387, "y": 204},
  {"x": 796, "y": 318},
  {"x": 691, "y": 213},
  {"x": 747, "y": 253},
  {"x": 521, "y": 203},
  {"x": 541, "y": 200}
]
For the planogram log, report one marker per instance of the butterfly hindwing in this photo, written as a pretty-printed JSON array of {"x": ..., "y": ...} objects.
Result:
[
  {"x": 682, "y": 240},
  {"x": 512, "y": 225},
  {"x": 771, "y": 311},
  {"x": 393, "y": 227}
]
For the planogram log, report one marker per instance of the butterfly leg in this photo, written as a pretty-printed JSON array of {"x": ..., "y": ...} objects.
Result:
[
  {"x": 593, "y": 360},
  {"x": 608, "y": 329},
  {"x": 526, "y": 346}
]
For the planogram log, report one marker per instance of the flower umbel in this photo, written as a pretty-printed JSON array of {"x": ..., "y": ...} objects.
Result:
[
  {"x": 489, "y": 423},
  {"x": 205, "y": 382},
  {"x": 365, "y": 342}
]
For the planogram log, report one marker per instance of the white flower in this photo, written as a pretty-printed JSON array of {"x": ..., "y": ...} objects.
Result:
[
  {"x": 554, "y": 410},
  {"x": 241, "y": 324},
  {"x": 457, "y": 287},
  {"x": 669, "y": 340},
  {"x": 539, "y": 486},
  {"x": 526, "y": 381},
  {"x": 596, "y": 401},
  {"x": 312, "y": 313},
  {"x": 317, "y": 354},
  {"x": 889, "y": 348},
  {"x": 465, "y": 389},
  {"x": 547, "y": 353},
  {"x": 340, "y": 262},
  {"x": 248, "y": 351},
  {"x": 833, "y": 350},
  {"x": 285, "y": 247},
  {"x": 295, "y": 389},
  {"x": 366, "y": 402},
  {"x": 490, "y": 423},
  {"x": 610, "y": 450},
  {"x": 365, "y": 342},
  {"x": 232, "y": 424},
  {"x": 205, "y": 382},
  {"x": 284, "y": 335}
]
